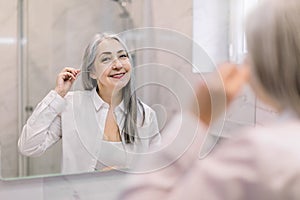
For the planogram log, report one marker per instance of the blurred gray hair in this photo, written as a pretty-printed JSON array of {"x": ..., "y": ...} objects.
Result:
[{"x": 273, "y": 39}]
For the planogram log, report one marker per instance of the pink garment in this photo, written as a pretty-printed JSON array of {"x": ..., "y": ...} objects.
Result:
[{"x": 262, "y": 163}]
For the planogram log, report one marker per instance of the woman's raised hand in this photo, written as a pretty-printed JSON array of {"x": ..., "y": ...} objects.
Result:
[
  {"x": 65, "y": 79},
  {"x": 219, "y": 90}
]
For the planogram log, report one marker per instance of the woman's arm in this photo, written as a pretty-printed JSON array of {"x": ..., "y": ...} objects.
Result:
[{"x": 43, "y": 128}]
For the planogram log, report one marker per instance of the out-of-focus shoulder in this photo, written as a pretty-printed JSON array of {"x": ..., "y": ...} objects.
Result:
[{"x": 279, "y": 137}]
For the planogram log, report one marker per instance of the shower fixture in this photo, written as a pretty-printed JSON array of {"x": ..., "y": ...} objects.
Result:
[
  {"x": 123, "y": 4},
  {"x": 128, "y": 24}
]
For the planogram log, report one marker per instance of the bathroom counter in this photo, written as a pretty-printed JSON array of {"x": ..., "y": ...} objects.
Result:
[{"x": 88, "y": 186}]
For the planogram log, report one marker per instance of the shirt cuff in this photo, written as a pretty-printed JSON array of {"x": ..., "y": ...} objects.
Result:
[{"x": 55, "y": 101}]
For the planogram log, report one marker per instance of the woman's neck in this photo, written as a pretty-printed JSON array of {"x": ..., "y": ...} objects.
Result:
[{"x": 113, "y": 98}]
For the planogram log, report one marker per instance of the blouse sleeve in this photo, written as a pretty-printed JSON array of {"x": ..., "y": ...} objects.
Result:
[{"x": 43, "y": 127}]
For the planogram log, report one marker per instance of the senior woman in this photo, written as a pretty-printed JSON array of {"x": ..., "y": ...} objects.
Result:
[{"x": 99, "y": 126}]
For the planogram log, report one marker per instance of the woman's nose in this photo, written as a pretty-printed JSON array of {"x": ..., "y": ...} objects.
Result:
[{"x": 117, "y": 64}]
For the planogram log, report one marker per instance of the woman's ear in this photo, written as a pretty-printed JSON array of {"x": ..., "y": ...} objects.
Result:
[{"x": 92, "y": 75}]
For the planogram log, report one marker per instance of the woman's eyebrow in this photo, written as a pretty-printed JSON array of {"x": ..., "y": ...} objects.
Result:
[
  {"x": 120, "y": 51},
  {"x": 107, "y": 52}
]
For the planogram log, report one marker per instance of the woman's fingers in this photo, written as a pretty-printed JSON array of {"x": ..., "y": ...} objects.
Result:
[
  {"x": 67, "y": 76},
  {"x": 69, "y": 73},
  {"x": 74, "y": 71},
  {"x": 65, "y": 80}
]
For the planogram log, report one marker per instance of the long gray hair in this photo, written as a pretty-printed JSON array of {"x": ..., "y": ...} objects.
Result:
[
  {"x": 131, "y": 103},
  {"x": 274, "y": 50}
]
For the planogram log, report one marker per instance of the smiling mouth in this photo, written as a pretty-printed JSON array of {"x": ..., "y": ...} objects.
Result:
[{"x": 117, "y": 76}]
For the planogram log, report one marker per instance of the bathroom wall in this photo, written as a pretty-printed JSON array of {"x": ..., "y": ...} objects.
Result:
[
  {"x": 166, "y": 56},
  {"x": 8, "y": 87}
]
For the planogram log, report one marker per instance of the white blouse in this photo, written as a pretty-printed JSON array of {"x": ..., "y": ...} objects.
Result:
[
  {"x": 79, "y": 120},
  {"x": 109, "y": 160}
]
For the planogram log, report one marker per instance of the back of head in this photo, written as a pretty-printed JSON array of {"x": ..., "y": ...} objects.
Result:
[{"x": 273, "y": 40}]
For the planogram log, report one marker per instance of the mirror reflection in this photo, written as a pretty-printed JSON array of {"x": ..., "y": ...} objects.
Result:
[
  {"x": 54, "y": 35},
  {"x": 63, "y": 121},
  {"x": 107, "y": 115}
]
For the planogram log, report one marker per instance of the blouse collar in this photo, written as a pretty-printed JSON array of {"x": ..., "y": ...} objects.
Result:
[{"x": 99, "y": 102}]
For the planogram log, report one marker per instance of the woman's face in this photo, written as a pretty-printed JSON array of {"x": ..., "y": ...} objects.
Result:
[{"x": 112, "y": 67}]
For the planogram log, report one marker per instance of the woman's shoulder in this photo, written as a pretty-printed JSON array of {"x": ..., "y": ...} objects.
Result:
[{"x": 276, "y": 137}]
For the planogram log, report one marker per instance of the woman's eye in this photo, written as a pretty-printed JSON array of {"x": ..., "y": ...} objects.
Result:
[
  {"x": 123, "y": 56},
  {"x": 105, "y": 59}
]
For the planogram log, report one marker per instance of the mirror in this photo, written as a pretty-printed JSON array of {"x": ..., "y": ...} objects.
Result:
[
  {"x": 44, "y": 39},
  {"x": 53, "y": 34}
]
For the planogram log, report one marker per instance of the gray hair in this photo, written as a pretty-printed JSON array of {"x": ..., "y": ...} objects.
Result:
[
  {"x": 273, "y": 39},
  {"x": 131, "y": 103}
]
